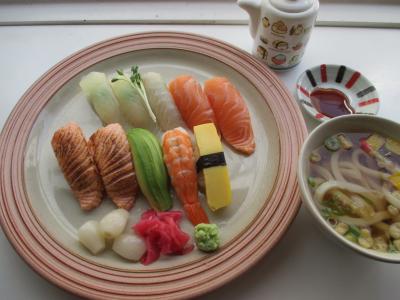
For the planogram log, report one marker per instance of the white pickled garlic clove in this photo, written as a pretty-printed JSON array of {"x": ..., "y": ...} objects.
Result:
[
  {"x": 129, "y": 246},
  {"x": 113, "y": 223},
  {"x": 90, "y": 236}
]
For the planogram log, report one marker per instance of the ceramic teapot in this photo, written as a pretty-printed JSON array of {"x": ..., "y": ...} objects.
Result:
[{"x": 280, "y": 29}]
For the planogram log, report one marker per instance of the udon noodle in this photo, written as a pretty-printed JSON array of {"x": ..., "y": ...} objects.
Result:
[{"x": 355, "y": 182}]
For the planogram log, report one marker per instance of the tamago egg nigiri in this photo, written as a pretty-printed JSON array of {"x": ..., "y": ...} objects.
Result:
[{"x": 213, "y": 166}]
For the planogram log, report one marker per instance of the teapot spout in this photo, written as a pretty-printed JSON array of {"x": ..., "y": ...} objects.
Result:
[{"x": 253, "y": 8}]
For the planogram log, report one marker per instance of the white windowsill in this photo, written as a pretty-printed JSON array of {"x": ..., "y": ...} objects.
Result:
[{"x": 356, "y": 13}]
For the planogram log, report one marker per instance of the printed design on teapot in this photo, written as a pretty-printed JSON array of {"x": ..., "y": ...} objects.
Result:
[
  {"x": 280, "y": 45},
  {"x": 296, "y": 29},
  {"x": 279, "y": 59},
  {"x": 294, "y": 59},
  {"x": 279, "y": 27},
  {"x": 297, "y": 46},
  {"x": 262, "y": 52},
  {"x": 264, "y": 39},
  {"x": 265, "y": 22}
]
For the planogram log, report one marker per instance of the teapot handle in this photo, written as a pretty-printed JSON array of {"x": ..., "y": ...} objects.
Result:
[{"x": 252, "y": 7}]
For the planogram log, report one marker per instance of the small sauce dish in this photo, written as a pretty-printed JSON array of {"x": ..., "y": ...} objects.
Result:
[{"x": 329, "y": 91}]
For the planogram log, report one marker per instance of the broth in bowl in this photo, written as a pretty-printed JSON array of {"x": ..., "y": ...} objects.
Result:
[{"x": 354, "y": 179}]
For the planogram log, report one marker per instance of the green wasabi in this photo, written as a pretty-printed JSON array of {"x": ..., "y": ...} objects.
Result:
[{"x": 206, "y": 237}]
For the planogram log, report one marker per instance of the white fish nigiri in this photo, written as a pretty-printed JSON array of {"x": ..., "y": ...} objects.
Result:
[
  {"x": 161, "y": 102},
  {"x": 97, "y": 90},
  {"x": 132, "y": 99}
]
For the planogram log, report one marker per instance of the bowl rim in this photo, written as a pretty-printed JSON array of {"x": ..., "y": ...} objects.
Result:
[
  {"x": 307, "y": 109},
  {"x": 310, "y": 203}
]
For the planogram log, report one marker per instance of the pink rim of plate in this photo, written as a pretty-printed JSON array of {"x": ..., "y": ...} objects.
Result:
[{"x": 87, "y": 279}]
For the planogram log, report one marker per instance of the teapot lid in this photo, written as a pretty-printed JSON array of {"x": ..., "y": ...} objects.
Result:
[{"x": 292, "y": 6}]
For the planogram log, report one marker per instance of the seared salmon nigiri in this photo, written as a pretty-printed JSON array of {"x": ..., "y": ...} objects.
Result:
[
  {"x": 111, "y": 152},
  {"x": 181, "y": 165},
  {"x": 232, "y": 115},
  {"x": 72, "y": 152},
  {"x": 191, "y": 101}
]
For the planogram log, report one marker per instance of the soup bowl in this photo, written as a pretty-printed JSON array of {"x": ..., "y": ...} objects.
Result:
[{"x": 343, "y": 124}]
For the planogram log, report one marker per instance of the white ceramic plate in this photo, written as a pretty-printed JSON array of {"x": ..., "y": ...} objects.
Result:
[
  {"x": 40, "y": 215},
  {"x": 57, "y": 208}
]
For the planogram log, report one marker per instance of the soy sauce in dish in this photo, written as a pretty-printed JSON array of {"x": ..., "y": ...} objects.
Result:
[{"x": 331, "y": 102}]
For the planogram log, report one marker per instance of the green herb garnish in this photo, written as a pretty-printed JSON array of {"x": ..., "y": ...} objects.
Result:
[
  {"x": 135, "y": 80},
  {"x": 351, "y": 237},
  {"x": 311, "y": 182},
  {"x": 336, "y": 207},
  {"x": 332, "y": 143},
  {"x": 354, "y": 230},
  {"x": 392, "y": 248},
  {"x": 329, "y": 213}
]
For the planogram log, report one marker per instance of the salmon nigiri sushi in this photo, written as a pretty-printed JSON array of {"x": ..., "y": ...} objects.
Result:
[
  {"x": 191, "y": 101},
  {"x": 76, "y": 162},
  {"x": 181, "y": 165},
  {"x": 232, "y": 115},
  {"x": 112, "y": 156}
]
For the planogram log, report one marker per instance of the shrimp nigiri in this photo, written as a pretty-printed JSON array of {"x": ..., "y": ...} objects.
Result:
[
  {"x": 231, "y": 112},
  {"x": 181, "y": 165},
  {"x": 191, "y": 101}
]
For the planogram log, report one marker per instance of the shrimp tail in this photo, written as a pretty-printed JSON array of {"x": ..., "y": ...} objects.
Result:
[{"x": 195, "y": 213}]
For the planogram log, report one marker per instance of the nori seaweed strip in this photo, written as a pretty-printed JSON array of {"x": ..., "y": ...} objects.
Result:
[{"x": 210, "y": 160}]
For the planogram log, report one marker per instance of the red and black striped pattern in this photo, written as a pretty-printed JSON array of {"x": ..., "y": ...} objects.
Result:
[{"x": 363, "y": 92}]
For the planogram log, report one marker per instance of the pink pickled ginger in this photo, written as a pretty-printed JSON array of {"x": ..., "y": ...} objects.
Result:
[{"x": 162, "y": 235}]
